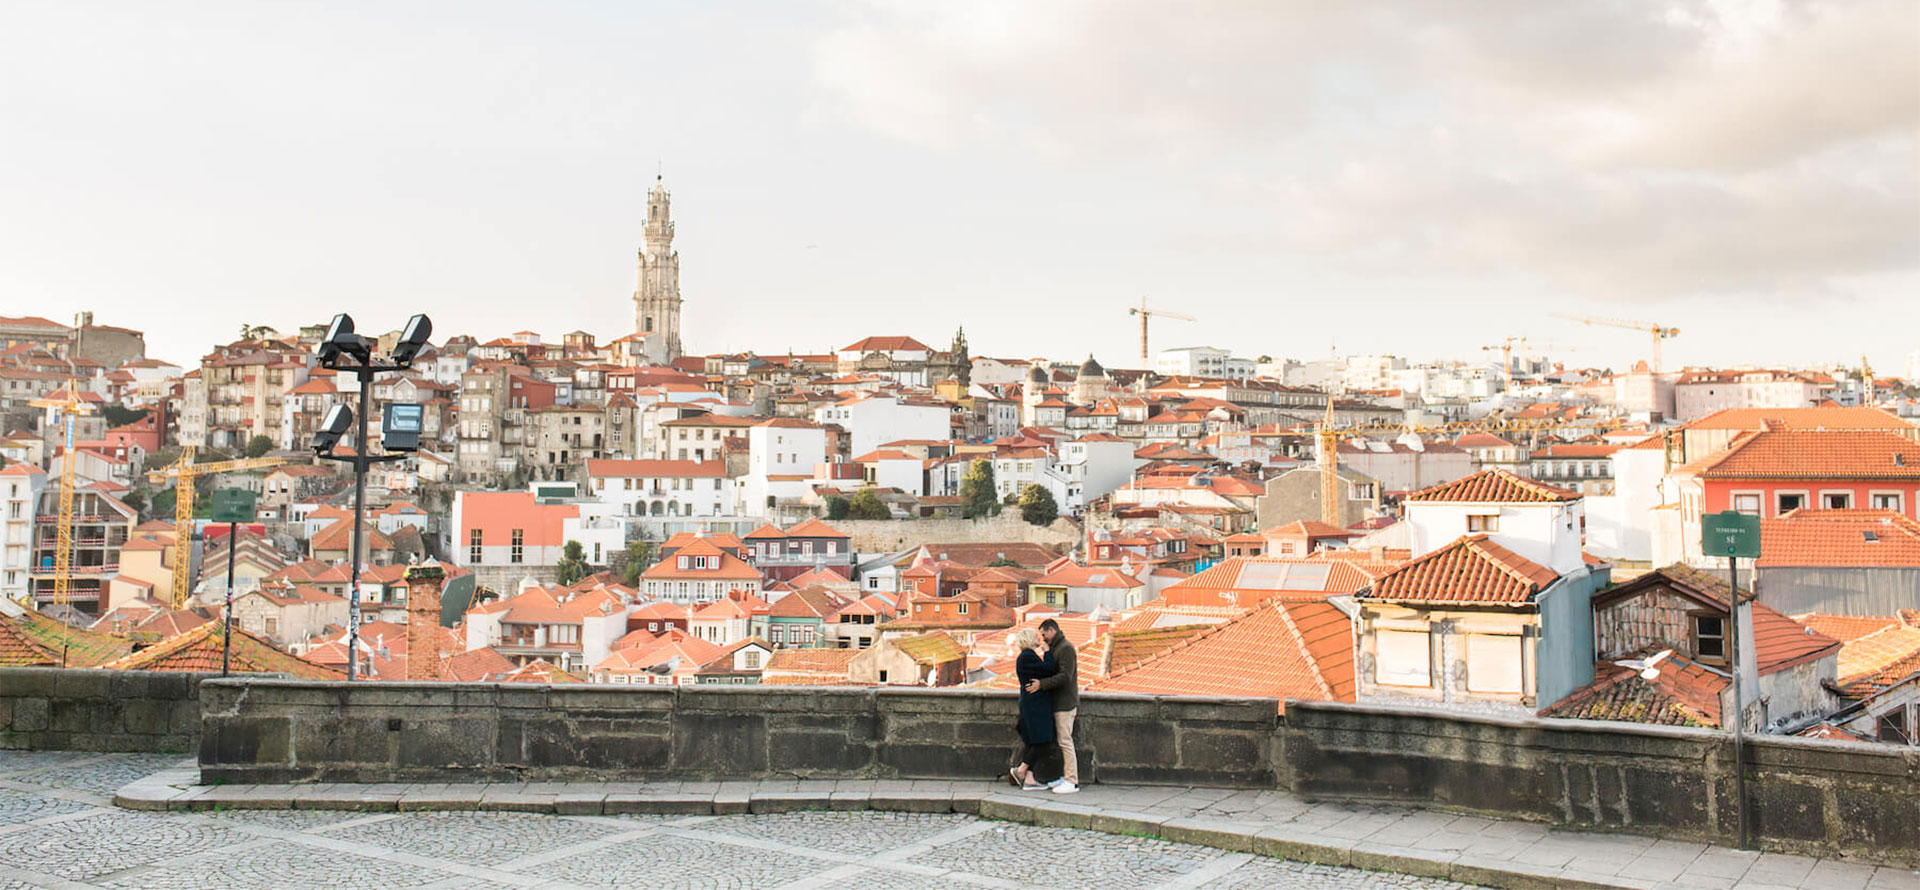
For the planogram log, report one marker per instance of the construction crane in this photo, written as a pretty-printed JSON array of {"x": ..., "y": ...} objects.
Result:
[
  {"x": 1659, "y": 331},
  {"x": 72, "y": 408},
  {"x": 183, "y": 472},
  {"x": 1145, "y": 314},
  {"x": 1328, "y": 437},
  {"x": 1506, "y": 356}
]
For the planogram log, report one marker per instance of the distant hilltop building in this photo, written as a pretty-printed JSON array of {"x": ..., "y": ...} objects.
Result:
[{"x": 656, "y": 297}]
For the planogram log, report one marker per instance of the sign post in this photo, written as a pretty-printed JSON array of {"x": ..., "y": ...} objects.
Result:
[
  {"x": 231, "y": 506},
  {"x": 1734, "y": 535}
]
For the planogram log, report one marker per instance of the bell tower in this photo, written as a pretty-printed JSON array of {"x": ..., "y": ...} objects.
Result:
[{"x": 656, "y": 297}]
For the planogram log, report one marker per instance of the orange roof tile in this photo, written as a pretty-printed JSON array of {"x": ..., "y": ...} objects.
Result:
[
  {"x": 1681, "y": 693},
  {"x": 1804, "y": 454},
  {"x": 200, "y": 650},
  {"x": 1845, "y": 538},
  {"x": 1847, "y": 628},
  {"x": 1493, "y": 486},
  {"x": 1469, "y": 570},
  {"x": 1808, "y": 418},
  {"x": 1281, "y": 650}
]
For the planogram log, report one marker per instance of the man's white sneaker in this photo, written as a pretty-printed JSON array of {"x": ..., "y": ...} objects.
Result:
[{"x": 1065, "y": 787}]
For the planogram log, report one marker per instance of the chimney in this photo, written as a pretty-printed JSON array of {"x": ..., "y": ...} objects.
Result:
[{"x": 426, "y": 641}]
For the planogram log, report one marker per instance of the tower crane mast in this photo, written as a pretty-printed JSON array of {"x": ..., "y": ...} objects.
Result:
[{"x": 1145, "y": 314}]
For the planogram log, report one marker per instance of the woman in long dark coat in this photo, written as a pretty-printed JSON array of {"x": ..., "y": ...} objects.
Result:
[{"x": 1039, "y": 753}]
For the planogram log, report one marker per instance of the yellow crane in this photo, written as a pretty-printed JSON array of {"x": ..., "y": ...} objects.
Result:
[
  {"x": 72, "y": 408},
  {"x": 1659, "y": 331},
  {"x": 1145, "y": 314},
  {"x": 1328, "y": 439},
  {"x": 182, "y": 472}
]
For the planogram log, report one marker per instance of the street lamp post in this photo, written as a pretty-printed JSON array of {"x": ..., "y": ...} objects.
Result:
[{"x": 340, "y": 345}]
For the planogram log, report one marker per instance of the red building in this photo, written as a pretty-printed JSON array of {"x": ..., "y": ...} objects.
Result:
[{"x": 1776, "y": 471}]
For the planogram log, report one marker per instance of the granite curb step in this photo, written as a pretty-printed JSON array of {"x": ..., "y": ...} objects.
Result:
[{"x": 175, "y": 790}]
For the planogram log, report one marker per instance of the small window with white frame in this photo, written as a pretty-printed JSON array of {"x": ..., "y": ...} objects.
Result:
[
  {"x": 1747, "y": 502},
  {"x": 1785, "y": 502},
  {"x": 1483, "y": 523},
  {"x": 1887, "y": 500},
  {"x": 1836, "y": 500}
]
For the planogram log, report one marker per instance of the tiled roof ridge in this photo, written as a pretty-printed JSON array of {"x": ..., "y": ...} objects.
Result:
[
  {"x": 1502, "y": 558},
  {"x": 1306, "y": 655}
]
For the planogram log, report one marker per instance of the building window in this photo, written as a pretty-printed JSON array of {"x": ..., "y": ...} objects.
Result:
[
  {"x": 1483, "y": 524},
  {"x": 518, "y": 553},
  {"x": 1881, "y": 500},
  {"x": 473, "y": 547},
  {"x": 1710, "y": 638},
  {"x": 1787, "y": 502},
  {"x": 1403, "y": 658},
  {"x": 1747, "y": 503},
  {"x": 1836, "y": 500},
  {"x": 753, "y": 659},
  {"x": 962, "y": 608},
  {"x": 1494, "y": 663}
]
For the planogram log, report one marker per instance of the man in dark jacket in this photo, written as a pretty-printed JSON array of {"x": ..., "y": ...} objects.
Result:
[{"x": 1065, "y": 687}]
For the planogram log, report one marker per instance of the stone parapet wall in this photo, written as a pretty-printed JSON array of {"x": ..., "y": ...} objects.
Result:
[
  {"x": 1807, "y": 796},
  {"x": 266, "y": 731},
  {"x": 72, "y": 709}
]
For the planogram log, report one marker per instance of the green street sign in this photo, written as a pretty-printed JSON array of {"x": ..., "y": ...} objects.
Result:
[
  {"x": 1730, "y": 534},
  {"x": 232, "y": 505}
]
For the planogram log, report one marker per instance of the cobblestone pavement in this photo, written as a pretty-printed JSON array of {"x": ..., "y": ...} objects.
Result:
[{"x": 59, "y": 830}]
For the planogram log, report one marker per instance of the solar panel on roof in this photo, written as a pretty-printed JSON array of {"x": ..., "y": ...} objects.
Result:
[
  {"x": 1309, "y": 577},
  {"x": 1096, "y": 577},
  {"x": 1263, "y": 576}
]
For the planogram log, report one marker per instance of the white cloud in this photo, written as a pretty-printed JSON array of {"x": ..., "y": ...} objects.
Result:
[{"x": 1613, "y": 150}]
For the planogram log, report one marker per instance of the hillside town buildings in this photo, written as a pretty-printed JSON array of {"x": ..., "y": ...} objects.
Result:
[{"x": 1507, "y": 534}]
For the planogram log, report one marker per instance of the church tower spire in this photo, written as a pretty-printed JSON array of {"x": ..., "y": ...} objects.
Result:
[{"x": 656, "y": 298}]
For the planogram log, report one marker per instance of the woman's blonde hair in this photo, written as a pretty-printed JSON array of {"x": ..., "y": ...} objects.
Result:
[{"x": 1027, "y": 638}]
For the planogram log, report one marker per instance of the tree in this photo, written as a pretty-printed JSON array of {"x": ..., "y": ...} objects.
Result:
[
  {"x": 837, "y": 507},
  {"x": 1003, "y": 562},
  {"x": 976, "y": 491},
  {"x": 639, "y": 556},
  {"x": 120, "y": 415},
  {"x": 259, "y": 445},
  {"x": 1037, "y": 505},
  {"x": 867, "y": 505},
  {"x": 573, "y": 563}
]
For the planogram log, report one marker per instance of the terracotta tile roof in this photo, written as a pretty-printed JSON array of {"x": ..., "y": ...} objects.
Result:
[
  {"x": 1472, "y": 569},
  {"x": 931, "y": 648},
  {"x": 814, "y": 528},
  {"x": 1876, "y": 660},
  {"x": 1803, "y": 454},
  {"x": 538, "y": 670},
  {"x": 200, "y": 650},
  {"x": 1125, "y": 649},
  {"x": 476, "y": 665},
  {"x": 732, "y": 568},
  {"x": 1682, "y": 693},
  {"x": 812, "y": 667},
  {"x": 1847, "y": 628},
  {"x": 30, "y": 633},
  {"x": 1281, "y": 650},
  {"x": 1494, "y": 486},
  {"x": 1841, "y": 538},
  {"x": 1311, "y": 528},
  {"x": 1075, "y": 575},
  {"x": 1780, "y": 642},
  {"x": 979, "y": 555},
  {"x": 807, "y": 602},
  {"x": 1809, "y": 418},
  {"x": 765, "y": 532},
  {"x": 339, "y": 536},
  {"x": 1481, "y": 440},
  {"x": 886, "y": 344},
  {"x": 1248, "y": 581}
]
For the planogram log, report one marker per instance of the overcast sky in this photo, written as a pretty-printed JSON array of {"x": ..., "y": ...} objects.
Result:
[{"x": 1415, "y": 178}]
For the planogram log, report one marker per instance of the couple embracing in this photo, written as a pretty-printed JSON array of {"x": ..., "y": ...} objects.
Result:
[{"x": 1049, "y": 678}]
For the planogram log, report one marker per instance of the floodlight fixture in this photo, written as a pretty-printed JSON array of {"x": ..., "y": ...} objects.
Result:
[
  {"x": 335, "y": 425},
  {"x": 400, "y": 427},
  {"x": 413, "y": 338},
  {"x": 341, "y": 338}
]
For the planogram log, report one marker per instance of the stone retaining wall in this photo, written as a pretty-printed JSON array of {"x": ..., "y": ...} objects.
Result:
[
  {"x": 91, "y": 710},
  {"x": 1817, "y": 797},
  {"x": 274, "y": 731}
]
